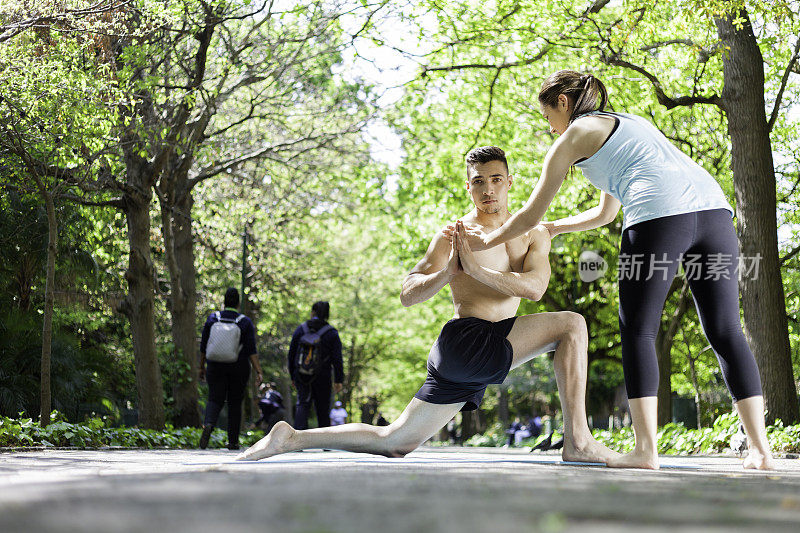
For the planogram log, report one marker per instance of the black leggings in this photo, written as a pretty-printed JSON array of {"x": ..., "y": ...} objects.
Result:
[
  {"x": 705, "y": 243},
  {"x": 317, "y": 391},
  {"x": 227, "y": 382}
]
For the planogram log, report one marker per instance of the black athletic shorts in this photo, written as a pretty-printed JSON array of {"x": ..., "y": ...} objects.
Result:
[{"x": 469, "y": 354}]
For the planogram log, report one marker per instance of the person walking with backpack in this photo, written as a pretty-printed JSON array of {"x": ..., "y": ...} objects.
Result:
[
  {"x": 314, "y": 350},
  {"x": 227, "y": 348}
]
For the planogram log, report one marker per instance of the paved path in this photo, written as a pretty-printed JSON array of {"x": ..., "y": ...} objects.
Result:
[{"x": 440, "y": 490}]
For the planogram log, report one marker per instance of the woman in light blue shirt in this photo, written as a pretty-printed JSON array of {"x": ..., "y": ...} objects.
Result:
[{"x": 674, "y": 213}]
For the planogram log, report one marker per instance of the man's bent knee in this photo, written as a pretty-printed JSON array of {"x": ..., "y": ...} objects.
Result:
[
  {"x": 401, "y": 450},
  {"x": 398, "y": 443},
  {"x": 574, "y": 325}
]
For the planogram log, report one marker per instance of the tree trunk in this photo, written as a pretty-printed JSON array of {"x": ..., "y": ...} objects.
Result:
[
  {"x": 139, "y": 303},
  {"x": 502, "y": 406},
  {"x": 176, "y": 225},
  {"x": 47, "y": 323},
  {"x": 765, "y": 323},
  {"x": 146, "y": 161},
  {"x": 468, "y": 425},
  {"x": 352, "y": 366},
  {"x": 285, "y": 388}
]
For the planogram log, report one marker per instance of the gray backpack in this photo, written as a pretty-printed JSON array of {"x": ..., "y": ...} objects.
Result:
[{"x": 223, "y": 339}]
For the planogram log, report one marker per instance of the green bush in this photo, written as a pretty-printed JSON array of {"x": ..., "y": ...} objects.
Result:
[
  {"x": 485, "y": 440},
  {"x": 673, "y": 439},
  {"x": 80, "y": 372},
  {"x": 494, "y": 436},
  {"x": 95, "y": 433}
]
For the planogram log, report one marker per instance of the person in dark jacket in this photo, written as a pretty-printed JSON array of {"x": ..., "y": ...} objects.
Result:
[
  {"x": 227, "y": 381},
  {"x": 317, "y": 388},
  {"x": 270, "y": 405}
]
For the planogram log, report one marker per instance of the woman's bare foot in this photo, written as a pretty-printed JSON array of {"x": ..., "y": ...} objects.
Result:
[
  {"x": 638, "y": 458},
  {"x": 588, "y": 451},
  {"x": 278, "y": 441},
  {"x": 758, "y": 460}
]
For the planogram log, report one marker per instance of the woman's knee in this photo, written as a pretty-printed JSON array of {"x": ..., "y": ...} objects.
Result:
[
  {"x": 638, "y": 328},
  {"x": 722, "y": 334}
]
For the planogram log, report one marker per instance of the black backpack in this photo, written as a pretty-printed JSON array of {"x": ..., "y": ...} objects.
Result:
[{"x": 309, "y": 350}]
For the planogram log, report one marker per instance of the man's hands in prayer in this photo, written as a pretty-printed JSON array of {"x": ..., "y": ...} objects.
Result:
[
  {"x": 474, "y": 236},
  {"x": 453, "y": 264},
  {"x": 465, "y": 255}
]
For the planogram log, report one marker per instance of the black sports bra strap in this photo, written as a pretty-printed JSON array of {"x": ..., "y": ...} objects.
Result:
[{"x": 616, "y": 125}]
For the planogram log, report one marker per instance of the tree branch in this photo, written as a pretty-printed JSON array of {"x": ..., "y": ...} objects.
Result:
[
  {"x": 595, "y": 7},
  {"x": 774, "y": 116},
  {"x": 197, "y": 77},
  {"x": 488, "y": 112},
  {"x": 499, "y": 67},
  {"x": 9, "y": 31},
  {"x": 255, "y": 154},
  {"x": 789, "y": 255},
  {"x": 116, "y": 202},
  {"x": 653, "y": 46},
  {"x": 662, "y": 97},
  {"x": 790, "y": 194},
  {"x": 703, "y": 53}
]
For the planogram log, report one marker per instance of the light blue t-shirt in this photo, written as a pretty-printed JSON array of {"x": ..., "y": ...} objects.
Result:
[{"x": 649, "y": 175}]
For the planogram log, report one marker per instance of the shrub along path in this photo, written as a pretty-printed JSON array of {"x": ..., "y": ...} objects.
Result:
[{"x": 432, "y": 490}]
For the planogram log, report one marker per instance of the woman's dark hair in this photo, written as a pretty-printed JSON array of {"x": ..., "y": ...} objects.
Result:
[
  {"x": 232, "y": 297},
  {"x": 583, "y": 89},
  {"x": 321, "y": 310}
]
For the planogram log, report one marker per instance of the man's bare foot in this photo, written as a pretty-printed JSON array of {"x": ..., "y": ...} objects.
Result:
[
  {"x": 758, "y": 460},
  {"x": 636, "y": 459},
  {"x": 276, "y": 442},
  {"x": 590, "y": 451}
]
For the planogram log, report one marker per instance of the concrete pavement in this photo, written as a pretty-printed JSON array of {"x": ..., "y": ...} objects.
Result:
[{"x": 444, "y": 490}]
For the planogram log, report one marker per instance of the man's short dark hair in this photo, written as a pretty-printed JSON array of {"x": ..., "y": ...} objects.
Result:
[
  {"x": 321, "y": 310},
  {"x": 232, "y": 297},
  {"x": 484, "y": 154}
]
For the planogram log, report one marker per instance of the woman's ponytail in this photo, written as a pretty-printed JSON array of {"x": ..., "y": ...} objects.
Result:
[{"x": 586, "y": 91}]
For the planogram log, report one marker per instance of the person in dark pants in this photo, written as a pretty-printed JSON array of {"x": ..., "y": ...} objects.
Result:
[
  {"x": 512, "y": 432},
  {"x": 227, "y": 381},
  {"x": 317, "y": 388}
]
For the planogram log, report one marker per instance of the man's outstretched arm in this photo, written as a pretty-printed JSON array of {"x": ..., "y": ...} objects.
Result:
[
  {"x": 530, "y": 283},
  {"x": 433, "y": 272}
]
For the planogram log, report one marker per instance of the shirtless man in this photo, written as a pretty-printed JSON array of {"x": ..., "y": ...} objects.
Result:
[{"x": 482, "y": 342}]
